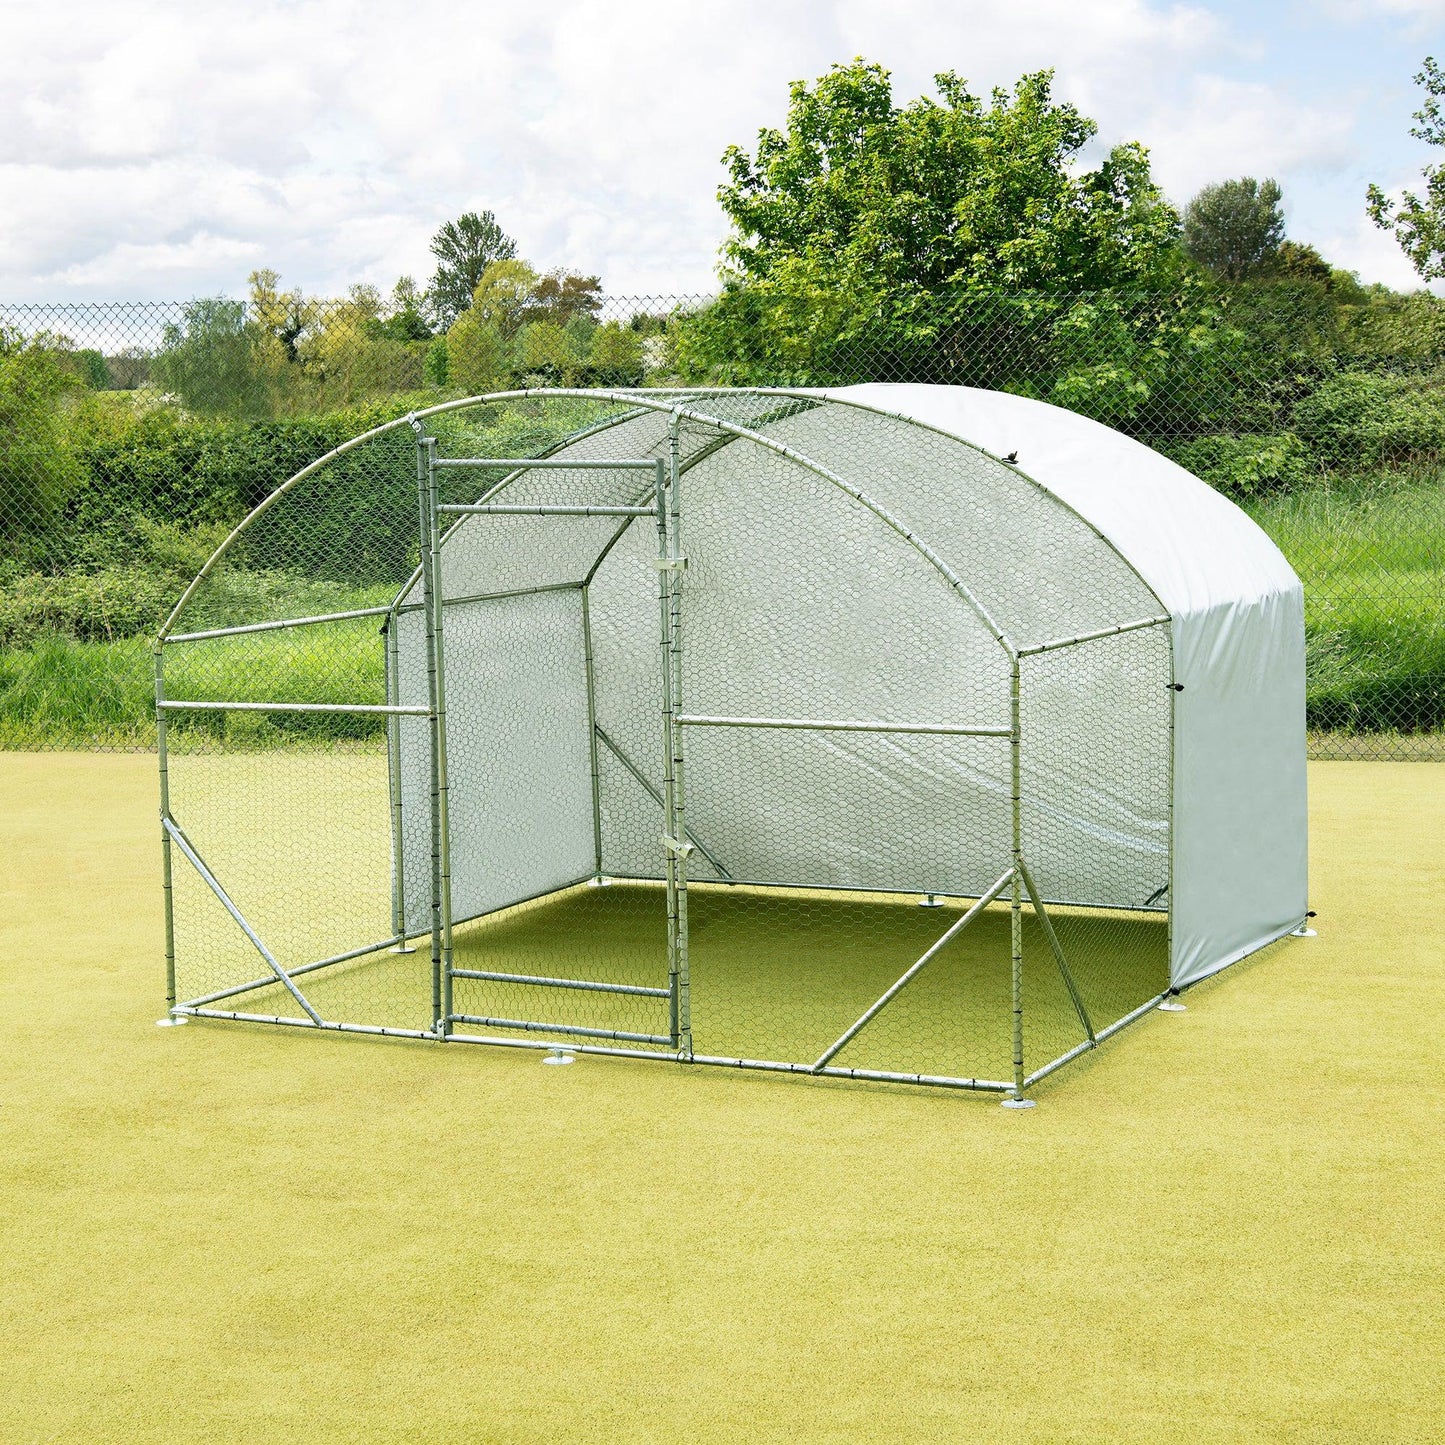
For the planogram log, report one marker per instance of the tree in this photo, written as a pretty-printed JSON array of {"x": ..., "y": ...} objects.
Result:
[
  {"x": 615, "y": 355},
  {"x": 403, "y": 318},
  {"x": 1419, "y": 226},
  {"x": 1235, "y": 228},
  {"x": 561, "y": 295},
  {"x": 464, "y": 248},
  {"x": 38, "y": 468},
  {"x": 861, "y": 196},
  {"x": 208, "y": 360},
  {"x": 1296, "y": 261},
  {"x": 506, "y": 295},
  {"x": 283, "y": 317},
  {"x": 546, "y": 350},
  {"x": 477, "y": 355}
]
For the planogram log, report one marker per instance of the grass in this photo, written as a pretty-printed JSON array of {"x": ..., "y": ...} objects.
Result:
[
  {"x": 1222, "y": 1226},
  {"x": 1371, "y": 554},
  {"x": 64, "y": 693}
]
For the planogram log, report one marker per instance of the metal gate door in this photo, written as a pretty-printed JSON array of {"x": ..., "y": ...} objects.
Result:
[{"x": 527, "y": 947}]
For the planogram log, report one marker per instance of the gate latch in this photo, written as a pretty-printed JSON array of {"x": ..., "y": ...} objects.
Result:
[
  {"x": 678, "y": 850},
  {"x": 670, "y": 564}
]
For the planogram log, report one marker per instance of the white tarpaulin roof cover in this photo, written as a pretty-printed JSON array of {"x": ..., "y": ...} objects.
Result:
[{"x": 882, "y": 552}]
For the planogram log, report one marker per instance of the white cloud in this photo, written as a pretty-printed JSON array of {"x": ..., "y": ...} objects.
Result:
[{"x": 153, "y": 149}]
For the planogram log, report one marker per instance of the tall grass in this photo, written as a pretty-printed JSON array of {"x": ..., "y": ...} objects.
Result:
[
  {"x": 68, "y": 694},
  {"x": 1370, "y": 551}
]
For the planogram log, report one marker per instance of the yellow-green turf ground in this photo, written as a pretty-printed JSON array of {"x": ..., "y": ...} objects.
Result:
[{"x": 1228, "y": 1224}]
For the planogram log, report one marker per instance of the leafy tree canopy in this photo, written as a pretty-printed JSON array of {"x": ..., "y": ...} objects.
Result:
[
  {"x": 863, "y": 198},
  {"x": 464, "y": 248},
  {"x": 1297, "y": 261},
  {"x": 37, "y": 463},
  {"x": 1235, "y": 228},
  {"x": 404, "y": 318},
  {"x": 1419, "y": 224}
]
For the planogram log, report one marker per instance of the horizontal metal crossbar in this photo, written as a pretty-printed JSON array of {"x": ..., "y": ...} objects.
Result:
[
  {"x": 494, "y": 596},
  {"x": 571, "y": 1030},
  {"x": 270, "y": 979},
  {"x": 577, "y": 983},
  {"x": 190, "y": 1011},
  {"x": 522, "y": 509},
  {"x": 1079, "y": 637},
  {"x": 276, "y": 626},
  {"x": 181, "y": 705},
  {"x": 557, "y": 464},
  {"x": 838, "y": 725},
  {"x": 881, "y": 1076}
]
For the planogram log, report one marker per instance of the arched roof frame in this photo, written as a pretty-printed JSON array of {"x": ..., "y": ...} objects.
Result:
[{"x": 672, "y": 402}]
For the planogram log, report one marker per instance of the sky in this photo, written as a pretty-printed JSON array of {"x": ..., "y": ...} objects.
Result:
[{"x": 156, "y": 151}]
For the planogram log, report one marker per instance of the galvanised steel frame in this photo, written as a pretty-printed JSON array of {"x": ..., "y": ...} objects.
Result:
[{"x": 678, "y": 843}]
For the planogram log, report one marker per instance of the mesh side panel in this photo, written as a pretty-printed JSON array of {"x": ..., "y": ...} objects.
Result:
[
  {"x": 780, "y": 974},
  {"x": 1041, "y": 571},
  {"x": 519, "y": 769},
  {"x": 298, "y": 838},
  {"x": 851, "y": 810},
  {"x": 627, "y": 663},
  {"x": 799, "y": 603},
  {"x": 342, "y": 538},
  {"x": 1096, "y": 822}
]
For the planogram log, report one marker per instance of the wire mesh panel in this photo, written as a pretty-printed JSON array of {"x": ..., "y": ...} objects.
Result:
[
  {"x": 274, "y": 686},
  {"x": 1096, "y": 820},
  {"x": 843, "y": 714}
]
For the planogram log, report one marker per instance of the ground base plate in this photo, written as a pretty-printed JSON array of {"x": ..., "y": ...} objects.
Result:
[
  {"x": 1012, "y": 1103},
  {"x": 173, "y": 1021}
]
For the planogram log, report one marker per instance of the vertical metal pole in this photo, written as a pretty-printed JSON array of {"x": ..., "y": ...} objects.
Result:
[
  {"x": 428, "y": 580},
  {"x": 1173, "y": 709},
  {"x": 1016, "y": 931},
  {"x": 592, "y": 736},
  {"x": 664, "y": 603},
  {"x": 391, "y": 653},
  {"x": 165, "y": 780},
  {"x": 683, "y": 989},
  {"x": 444, "y": 843}
]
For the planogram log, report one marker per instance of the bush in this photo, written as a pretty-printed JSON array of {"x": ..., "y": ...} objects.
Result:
[
  {"x": 1247, "y": 466},
  {"x": 1368, "y": 419}
]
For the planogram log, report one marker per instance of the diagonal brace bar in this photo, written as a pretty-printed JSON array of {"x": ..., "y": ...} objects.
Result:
[
  {"x": 658, "y": 799},
  {"x": 1046, "y": 923},
  {"x": 209, "y": 878},
  {"x": 952, "y": 932}
]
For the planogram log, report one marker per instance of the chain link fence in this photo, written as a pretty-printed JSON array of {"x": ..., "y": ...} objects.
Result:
[{"x": 134, "y": 437}]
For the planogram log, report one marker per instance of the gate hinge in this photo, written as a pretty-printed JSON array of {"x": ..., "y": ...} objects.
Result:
[
  {"x": 678, "y": 850},
  {"x": 670, "y": 564}
]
